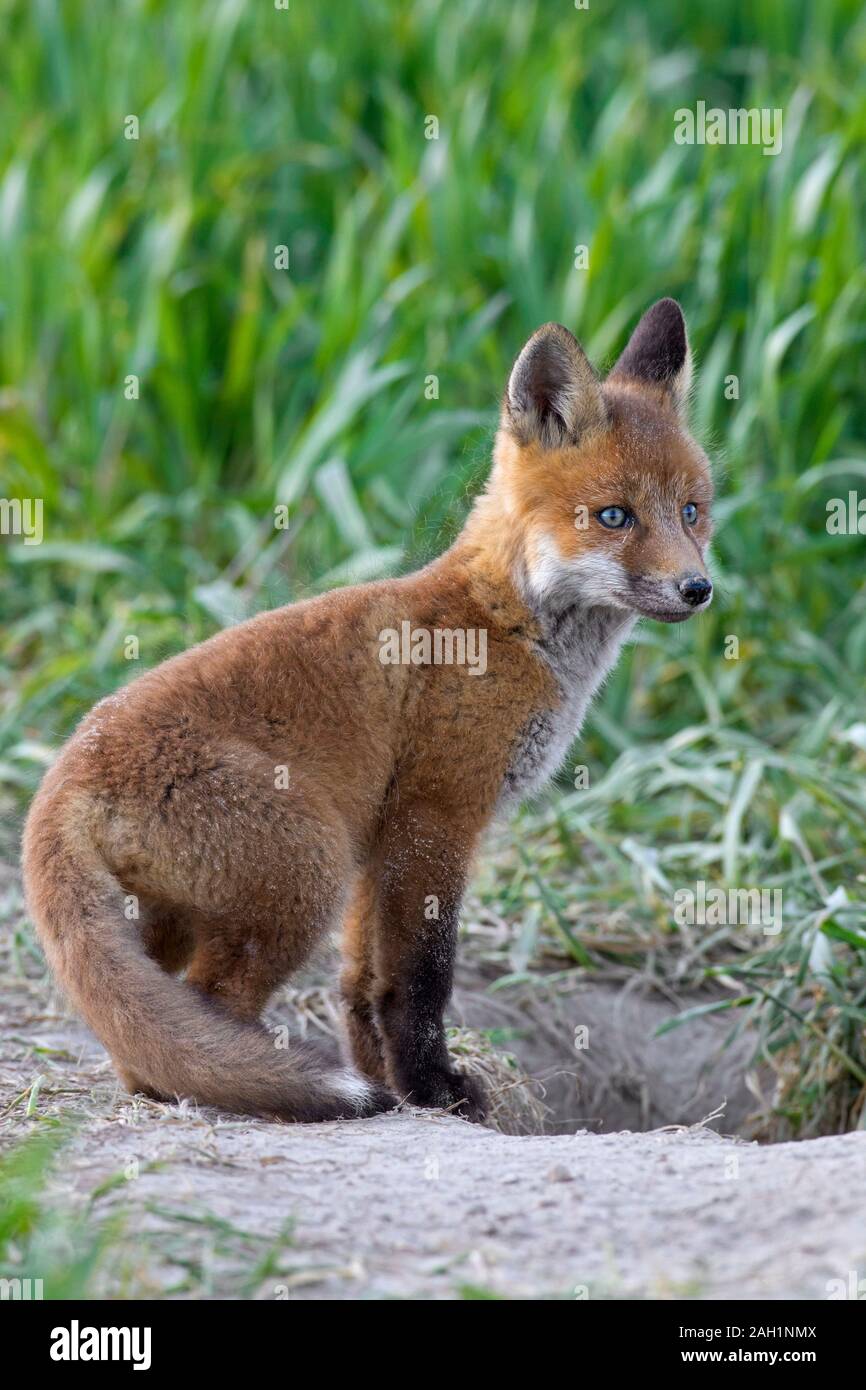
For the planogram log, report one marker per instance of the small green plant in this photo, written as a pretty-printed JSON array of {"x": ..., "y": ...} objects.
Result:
[{"x": 57, "y": 1249}]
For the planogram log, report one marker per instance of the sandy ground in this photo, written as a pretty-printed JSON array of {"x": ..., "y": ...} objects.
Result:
[
  {"x": 425, "y": 1206},
  {"x": 422, "y": 1206}
]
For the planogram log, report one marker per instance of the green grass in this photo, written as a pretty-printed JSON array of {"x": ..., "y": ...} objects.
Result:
[
  {"x": 58, "y": 1249},
  {"x": 85, "y": 1250},
  {"x": 409, "y": 258}
]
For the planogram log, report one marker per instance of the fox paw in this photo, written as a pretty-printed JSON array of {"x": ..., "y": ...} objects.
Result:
[{"x": 462, "y": 1095}]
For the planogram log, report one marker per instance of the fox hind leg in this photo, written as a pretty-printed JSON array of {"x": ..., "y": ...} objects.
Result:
[
  {"x": 241, "y": 957},
  {"x": 169, "y": 938}
]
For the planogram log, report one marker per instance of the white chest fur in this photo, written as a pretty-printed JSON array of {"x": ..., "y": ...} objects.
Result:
[{"x": 580, "y": 646}]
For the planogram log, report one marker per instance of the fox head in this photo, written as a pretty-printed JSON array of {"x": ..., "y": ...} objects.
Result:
[{"x": 610, "y": 493}]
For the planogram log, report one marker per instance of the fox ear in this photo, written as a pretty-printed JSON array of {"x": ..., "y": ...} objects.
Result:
[
  {"x": 658, "y": 352},
  {"x": 553, "y": 397}
]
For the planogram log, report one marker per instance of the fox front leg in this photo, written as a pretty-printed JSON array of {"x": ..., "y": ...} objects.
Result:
[
  {"x": 358, "y": 981},
  {"x": 421, "y": 887}
]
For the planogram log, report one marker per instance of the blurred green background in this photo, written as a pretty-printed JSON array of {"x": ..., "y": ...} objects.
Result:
[{"x": 411, "y": 257}]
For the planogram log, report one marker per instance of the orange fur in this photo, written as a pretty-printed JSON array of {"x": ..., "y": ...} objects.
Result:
[{"x": 227, "y": 808}]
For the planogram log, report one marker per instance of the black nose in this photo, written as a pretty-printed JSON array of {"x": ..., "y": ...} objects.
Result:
[{"x": 695, "y": 589}]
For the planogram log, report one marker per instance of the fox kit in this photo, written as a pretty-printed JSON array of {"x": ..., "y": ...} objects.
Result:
[{"x": 335, "y": 761}]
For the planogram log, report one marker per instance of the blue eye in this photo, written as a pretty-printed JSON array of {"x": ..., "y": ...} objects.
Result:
[
  {"x": 613, "y": 517},
  {"x": 690, "y": 513}
]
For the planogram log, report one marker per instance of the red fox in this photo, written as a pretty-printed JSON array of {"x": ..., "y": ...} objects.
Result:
[{"x": 336, "y": 760}]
